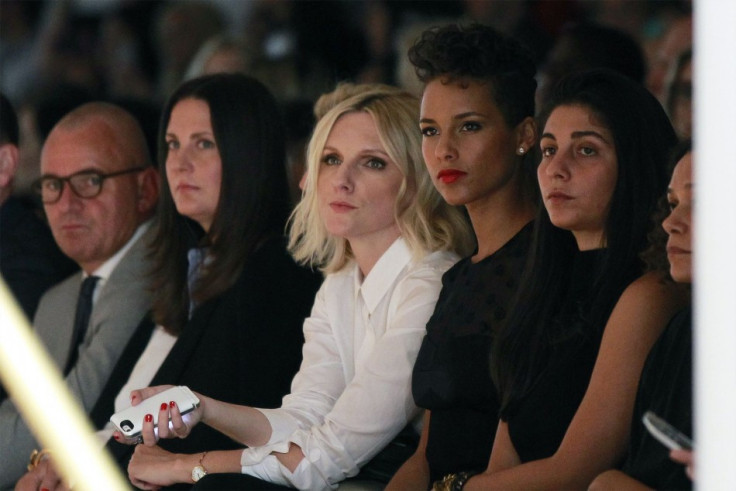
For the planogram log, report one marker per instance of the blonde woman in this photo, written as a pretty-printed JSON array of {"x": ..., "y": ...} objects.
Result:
[{"x": 372, "y": 220}]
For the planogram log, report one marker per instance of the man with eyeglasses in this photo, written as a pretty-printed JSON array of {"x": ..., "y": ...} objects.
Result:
[{"x": 99, "y": 191}]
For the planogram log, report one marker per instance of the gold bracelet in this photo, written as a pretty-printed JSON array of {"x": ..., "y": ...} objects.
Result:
[
  {"x": 453, "y": 482},
  {"x": 444, "y": 484},
  {"x": 36, "y": 457}
]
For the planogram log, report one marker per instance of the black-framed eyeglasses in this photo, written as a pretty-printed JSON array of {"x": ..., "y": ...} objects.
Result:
[{"x": 86, "y": 184}]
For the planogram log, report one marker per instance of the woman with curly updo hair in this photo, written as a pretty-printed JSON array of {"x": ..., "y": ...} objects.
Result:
[{"x": 478, "y": 130}]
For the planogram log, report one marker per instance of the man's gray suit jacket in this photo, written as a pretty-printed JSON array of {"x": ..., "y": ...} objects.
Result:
[{"x": 120, "y": 306}]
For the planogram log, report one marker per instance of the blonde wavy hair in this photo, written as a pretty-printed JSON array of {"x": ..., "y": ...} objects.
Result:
[{"x": 426, "y": 222}]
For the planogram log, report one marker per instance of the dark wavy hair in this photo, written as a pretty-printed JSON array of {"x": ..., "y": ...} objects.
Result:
[
  {"x": 479, "y": 52},
  {"x": 655, "y": 256},
  {"x": 253, "y": 203},
  {"x": 643, "y": 137}
]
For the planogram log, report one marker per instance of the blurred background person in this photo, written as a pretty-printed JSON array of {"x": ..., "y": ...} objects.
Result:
[
  {"x": 30, "y": 260},
  {"x": 680, "y": 95},
  {"x": 584, "y": 46}
]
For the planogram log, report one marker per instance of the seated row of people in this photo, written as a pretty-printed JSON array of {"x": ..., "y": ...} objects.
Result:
[
  {"x": 218, "y": 305},
  {"x": 546, "y": 323}
]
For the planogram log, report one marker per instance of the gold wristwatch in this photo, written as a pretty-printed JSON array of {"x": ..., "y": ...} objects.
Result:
[{"x": 198, "y": 472}]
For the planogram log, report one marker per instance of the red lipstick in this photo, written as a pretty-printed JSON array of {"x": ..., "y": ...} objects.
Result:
[{"x": 449, "y": 176}]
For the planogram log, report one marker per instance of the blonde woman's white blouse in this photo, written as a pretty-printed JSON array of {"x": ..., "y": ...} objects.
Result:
[{"x": 352, "y": 394}]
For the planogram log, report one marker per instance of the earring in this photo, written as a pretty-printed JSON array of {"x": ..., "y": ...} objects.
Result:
[{"x": 521, "y": 151}]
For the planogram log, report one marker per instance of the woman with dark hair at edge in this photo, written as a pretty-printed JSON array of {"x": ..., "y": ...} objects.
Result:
[
  {"x": 371, "y": 219},
  {"x": 478, "y": 131},
  {"x": 666, "y": 381},
  {"x": 568, "y": 361}
]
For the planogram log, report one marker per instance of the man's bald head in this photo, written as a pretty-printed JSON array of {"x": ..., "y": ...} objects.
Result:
[
  {"x": 123, "y": 130},
  {"x": 98, "y": 138}
]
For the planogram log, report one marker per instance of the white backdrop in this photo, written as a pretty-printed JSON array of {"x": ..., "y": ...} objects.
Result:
[{"x": 715, "y": 243}]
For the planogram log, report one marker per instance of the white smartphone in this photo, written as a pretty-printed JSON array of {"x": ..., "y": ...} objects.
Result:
[
  {"x": 670, "y": 436},
  {"x": 130, "y": 421}
]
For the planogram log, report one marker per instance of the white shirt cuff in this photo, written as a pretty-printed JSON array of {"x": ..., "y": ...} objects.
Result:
[
  {"x": 255, "y": 462},
  {"x": 282, "y": 424},
  {"x": 268, "y": 469}
]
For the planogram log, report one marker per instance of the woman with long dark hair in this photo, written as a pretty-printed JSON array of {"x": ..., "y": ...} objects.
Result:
[
  {"x": 568, "y": 360},
  {"x": 224, "y": 283}
]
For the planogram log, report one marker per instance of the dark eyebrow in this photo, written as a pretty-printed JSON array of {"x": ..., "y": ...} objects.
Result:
[
  {"x": 468, "y": 114},
  {"x": 197, "y": 134},
  {"x": 577, "y": 134},
  {"x": 581, "y": 134},
  {"x": 456, "y": 117}
]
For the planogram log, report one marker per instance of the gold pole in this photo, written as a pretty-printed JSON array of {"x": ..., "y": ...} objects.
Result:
[{"x": 54, "y": 417}]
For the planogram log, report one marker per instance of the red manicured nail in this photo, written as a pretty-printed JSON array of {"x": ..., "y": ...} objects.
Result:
[
  {"x": 116, "y": 436},
  {"x": 164, "y": 406},
  {"x": 172, "y": 404},
  {"x": 44, "y": 489},
  {"x": 149, "y": 418}
]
